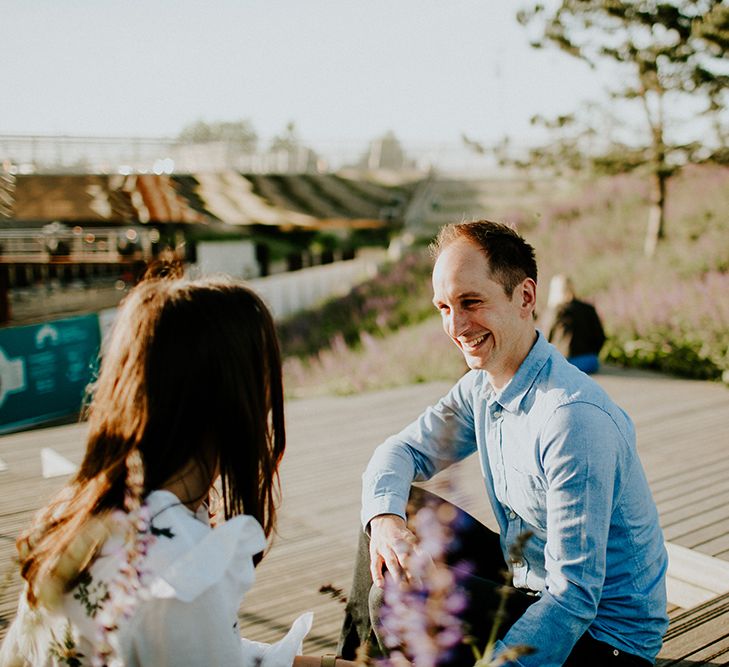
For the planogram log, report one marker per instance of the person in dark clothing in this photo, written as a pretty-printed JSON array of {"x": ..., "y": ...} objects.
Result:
[{"x": 573, "y": 326}]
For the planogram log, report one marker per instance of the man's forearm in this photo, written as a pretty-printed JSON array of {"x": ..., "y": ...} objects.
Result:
[{"x": 386, "y": 482}]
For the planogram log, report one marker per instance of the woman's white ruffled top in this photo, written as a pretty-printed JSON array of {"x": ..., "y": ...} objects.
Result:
[{"x": 194, "y": 579}]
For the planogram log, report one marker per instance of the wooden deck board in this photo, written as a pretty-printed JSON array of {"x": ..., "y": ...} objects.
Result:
[
  {"x": 699, "y": 636},
  {"x": 700, "y": 498},
  {"x": 682, "y": 431}
]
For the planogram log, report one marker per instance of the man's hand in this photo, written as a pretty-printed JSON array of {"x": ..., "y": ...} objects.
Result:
[{"x": 390, "y": 544}]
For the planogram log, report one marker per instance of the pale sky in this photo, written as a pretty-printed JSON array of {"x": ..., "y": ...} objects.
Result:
[{"x": 342, "y": 70}]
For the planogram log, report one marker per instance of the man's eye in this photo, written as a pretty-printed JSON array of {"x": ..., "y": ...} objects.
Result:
[{"x": 470, "y": 303}]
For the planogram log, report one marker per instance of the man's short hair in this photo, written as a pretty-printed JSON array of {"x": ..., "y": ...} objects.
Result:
[{"x": 511, "y": 259}]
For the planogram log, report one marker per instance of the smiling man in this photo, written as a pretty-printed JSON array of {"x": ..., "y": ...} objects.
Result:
[{"x": 559, "y": 463}]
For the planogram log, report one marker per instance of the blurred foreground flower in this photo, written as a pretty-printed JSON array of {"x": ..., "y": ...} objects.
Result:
[
  {"x": 421, "y": 616},
  {"x": 420, "y": 619},
  {"x": 125, "y": 590}
]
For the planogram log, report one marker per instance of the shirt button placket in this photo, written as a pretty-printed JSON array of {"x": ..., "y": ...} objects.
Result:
[{"x": 496, "y": 432}]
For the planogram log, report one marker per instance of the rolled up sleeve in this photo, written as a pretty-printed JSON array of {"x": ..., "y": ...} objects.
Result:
[{"x": 442, "y": 435}]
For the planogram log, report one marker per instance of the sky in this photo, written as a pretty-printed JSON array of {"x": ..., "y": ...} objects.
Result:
[{"x": 343, "y": 70}]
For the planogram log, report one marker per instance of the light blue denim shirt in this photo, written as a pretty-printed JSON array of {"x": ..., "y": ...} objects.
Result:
[{"x": 558, "y": 459}]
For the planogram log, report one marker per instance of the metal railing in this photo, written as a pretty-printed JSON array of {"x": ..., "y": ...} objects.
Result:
[
  {"x": 55, "y": 243},
  {"x": 83, "y": 154}
]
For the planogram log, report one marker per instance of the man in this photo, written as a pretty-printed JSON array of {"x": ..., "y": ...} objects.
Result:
[{"x": 558, "y": 459}]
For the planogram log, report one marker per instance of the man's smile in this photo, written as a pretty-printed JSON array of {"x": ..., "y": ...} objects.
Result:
[{"x": 474, "y": 343}]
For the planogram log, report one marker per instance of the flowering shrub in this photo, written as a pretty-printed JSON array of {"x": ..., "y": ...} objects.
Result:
[
  {"x": 414, "y": 354},
  {"x": 668, "y": 313},
  {"x": 398, "y": 296},
  {"x": 420, "y": 619},
  {"x": 682, "y": 329}
]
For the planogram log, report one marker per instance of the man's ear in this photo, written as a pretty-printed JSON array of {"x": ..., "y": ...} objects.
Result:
[{"x": 528, "y": 295}]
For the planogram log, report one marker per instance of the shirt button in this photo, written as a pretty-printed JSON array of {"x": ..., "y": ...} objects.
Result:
[
  {"x": 512, "y": 515},
  {"x": 616, "y": 653},
  {"x": 497, "y": 414},
  {"x": 518, "y": 563}
]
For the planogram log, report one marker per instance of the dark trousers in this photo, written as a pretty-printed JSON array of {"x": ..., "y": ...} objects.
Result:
[{"x": 475, "y": 544}]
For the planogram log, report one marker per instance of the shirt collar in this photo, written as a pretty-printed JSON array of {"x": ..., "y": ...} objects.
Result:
[
  {"x": 161, "y": 500},
  {"x": 510, "y": 397}
]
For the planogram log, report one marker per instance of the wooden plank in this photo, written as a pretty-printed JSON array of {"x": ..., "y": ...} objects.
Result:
[
  {"x": 684, "y": 475},
  {"x": 694, "y": 578},
  {"x": 699, "y": 636},
  {"x": 697, "y": 568},
  {"x": 681, "y": 428},
  {"x": 699, "y": 528},
  {"x": 698, "y": 499},
  {"x": 717, "y": 546}
]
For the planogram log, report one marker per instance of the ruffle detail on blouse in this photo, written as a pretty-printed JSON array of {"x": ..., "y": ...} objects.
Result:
[
  {"x": 225, "y": 553},
  {"x": 282, "y": 653}
]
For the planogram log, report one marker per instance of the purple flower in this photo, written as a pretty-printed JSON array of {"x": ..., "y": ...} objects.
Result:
[{"x": 419, "y": 618}]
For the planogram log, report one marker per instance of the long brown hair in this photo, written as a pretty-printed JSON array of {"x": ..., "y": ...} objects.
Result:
[{"x": 192, "y": 373}]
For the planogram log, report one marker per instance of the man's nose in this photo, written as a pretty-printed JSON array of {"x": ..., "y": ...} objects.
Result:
[{"x": 458, "y": 322}]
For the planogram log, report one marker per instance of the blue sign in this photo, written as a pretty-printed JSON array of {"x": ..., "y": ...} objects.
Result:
[{"x": 44, "y": 370}]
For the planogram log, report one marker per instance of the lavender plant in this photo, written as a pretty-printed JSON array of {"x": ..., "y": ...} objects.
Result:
[
  {"x": 127, "y": 587},
  {"x": 682, "y": 328},
  {"x": 420, "y": 622},
  {"x": 420, "y": 619},
  {"x": 378, "y": 363},
  {"x": 399, "y": 295},
  {"x": 669, "y": 313}
]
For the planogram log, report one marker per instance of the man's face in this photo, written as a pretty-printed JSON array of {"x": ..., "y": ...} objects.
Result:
[{"x": 494, "y": 332}]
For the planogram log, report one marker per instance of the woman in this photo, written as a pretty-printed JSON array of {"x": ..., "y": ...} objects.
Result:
[
  {"x": 123, "y": 568},
  {"x": 573, "y": 326}
]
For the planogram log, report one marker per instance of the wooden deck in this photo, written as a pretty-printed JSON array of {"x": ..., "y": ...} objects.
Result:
[{"x": 683, "y": 439}]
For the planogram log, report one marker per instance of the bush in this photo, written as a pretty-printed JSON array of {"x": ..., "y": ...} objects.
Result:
[
  {"x": 680, "y": 328},
  {"x": 398, "y": 296},
  {"x": 670, "y": 313}
]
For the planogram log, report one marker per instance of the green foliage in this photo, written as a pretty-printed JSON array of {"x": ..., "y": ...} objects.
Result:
[
  {"x": 411, "y": 355},
  {"x": 660, "y": 352},
  {"x": 398, "y": 296},
  {"x": 664, "y": 48},
  {"x": 669, "y": 314},
  {"x": 665, "y": 51},
  {"x": 239, "y": 133}
]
